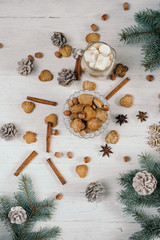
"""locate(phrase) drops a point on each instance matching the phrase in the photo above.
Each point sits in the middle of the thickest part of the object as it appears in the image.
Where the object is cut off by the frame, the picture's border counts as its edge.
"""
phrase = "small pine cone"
(94, 192)
(17, 215)
(58, 39)
(66, 77)
(8, 131)
(144, 183)
(25, 67)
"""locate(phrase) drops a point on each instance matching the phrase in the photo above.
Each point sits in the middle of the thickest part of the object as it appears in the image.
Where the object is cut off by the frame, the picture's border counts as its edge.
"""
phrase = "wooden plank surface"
(26, 27)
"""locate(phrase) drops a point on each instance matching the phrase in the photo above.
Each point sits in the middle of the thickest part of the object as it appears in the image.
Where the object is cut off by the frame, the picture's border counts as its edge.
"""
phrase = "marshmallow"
(104, 49)
(92, 64)
(102, 62)
(91, 55)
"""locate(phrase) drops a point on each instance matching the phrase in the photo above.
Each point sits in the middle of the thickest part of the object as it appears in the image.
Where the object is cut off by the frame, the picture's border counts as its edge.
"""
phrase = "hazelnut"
(28, 107)
(58, 54)
(94, 27)
(70, 102)
(82, 170)
(82, 115)
(1, 45)
(55, 132)
(149, 78)
(126, 158)
(38, 55)
(126, 6)
(30, 137)
(58, 154)
(87, 159)
(31, 58)
(105, 107)
(70, 155)
(94, 106)
(112, 77)
(45, 75)
(67, 113)
(159, 95)
(52, 118)
(82, 133)
(75, 101)
(59, 196)
(104, 17)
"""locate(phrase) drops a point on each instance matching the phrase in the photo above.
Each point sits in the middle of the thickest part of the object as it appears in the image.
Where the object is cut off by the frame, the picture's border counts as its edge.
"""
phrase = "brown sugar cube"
(87, 159)
(126, 158)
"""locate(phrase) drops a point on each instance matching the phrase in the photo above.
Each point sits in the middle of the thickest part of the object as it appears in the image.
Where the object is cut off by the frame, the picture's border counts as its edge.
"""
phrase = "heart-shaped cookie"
(126, 101)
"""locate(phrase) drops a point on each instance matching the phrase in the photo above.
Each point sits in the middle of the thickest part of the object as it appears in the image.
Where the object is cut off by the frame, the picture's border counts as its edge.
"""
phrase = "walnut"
(98, 102)
(112, 137)
(92, 37)
(77, 125)
(101, 114)
(90, 113)
(85, 99)
(126, 101)
(82, 170)
(30, 137)
(66, 50)
(73, 116)
(87, 85)
(52, 118)
(94, 124)
(76, 108)
(28, 107)
(120, 70)
(45, 75)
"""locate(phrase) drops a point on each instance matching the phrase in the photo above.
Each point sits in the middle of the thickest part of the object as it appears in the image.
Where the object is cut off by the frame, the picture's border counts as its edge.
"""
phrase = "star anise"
(121, 119)
(106, 150)
(142, 116)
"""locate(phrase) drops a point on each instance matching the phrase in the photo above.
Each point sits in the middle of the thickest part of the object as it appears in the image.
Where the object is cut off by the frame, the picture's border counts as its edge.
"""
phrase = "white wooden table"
(26, 27)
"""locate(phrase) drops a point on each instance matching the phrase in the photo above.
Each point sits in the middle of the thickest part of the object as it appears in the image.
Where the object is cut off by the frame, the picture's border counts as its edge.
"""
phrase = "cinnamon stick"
(43, 101)
(117, 88)
(48, 137)
(25, 163)
(56, 171)
(77, 69)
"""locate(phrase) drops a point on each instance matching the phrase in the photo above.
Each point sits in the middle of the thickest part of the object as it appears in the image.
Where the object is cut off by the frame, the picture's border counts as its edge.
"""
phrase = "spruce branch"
(36, 211)
(147, 32)
(134, 203)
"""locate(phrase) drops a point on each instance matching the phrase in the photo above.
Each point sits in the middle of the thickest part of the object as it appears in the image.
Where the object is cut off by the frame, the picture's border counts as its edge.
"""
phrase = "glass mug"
(96, 72)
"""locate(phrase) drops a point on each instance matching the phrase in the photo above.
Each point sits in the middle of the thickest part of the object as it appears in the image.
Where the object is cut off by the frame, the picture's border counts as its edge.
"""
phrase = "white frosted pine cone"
(144, 183)
(94, 192)
(17, 215)
(25, 67)
(8, 131)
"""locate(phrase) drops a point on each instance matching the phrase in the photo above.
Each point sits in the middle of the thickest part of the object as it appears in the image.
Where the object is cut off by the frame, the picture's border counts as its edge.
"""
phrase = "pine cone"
(66, 77)
(17, 215)
(94, 192)
(58, 39)
(8, 131)
(144, 183)
(25, 67)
